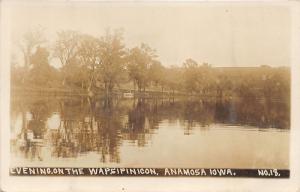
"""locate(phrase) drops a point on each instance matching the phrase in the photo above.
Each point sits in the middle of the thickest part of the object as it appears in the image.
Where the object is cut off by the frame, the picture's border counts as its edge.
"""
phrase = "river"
(180, 132)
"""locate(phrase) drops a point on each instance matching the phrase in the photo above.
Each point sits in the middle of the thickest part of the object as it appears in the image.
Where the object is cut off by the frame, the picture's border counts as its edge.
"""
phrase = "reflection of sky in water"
(147, 134)
(28, 116)
(16, 125)
(53, 122)
(217, 146)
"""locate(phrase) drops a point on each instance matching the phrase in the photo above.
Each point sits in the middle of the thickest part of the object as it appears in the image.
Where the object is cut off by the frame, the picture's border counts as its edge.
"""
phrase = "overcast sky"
(222, 35)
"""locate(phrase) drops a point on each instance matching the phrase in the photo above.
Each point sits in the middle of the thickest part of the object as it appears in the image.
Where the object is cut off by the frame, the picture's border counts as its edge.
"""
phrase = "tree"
(173, 76)
(112, 60)
(89, 56)
(28, 44)
(157, 74)
(191, 75)
(41, 73)
(140, 60)
(76, 74)
(198, 78)
(65, 48)
(17, 72)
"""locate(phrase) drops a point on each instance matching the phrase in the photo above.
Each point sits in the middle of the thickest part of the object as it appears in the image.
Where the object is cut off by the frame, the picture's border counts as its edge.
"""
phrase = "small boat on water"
(128, 95)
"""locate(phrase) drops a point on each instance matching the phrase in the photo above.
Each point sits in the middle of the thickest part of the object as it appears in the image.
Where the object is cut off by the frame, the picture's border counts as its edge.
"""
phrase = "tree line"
(105, 64)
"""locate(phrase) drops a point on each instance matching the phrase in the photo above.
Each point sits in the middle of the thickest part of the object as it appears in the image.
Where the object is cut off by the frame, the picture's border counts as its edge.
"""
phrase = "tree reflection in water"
(96, 125)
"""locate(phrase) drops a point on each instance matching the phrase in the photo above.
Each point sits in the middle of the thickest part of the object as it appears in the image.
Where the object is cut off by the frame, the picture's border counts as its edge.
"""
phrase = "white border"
(150, 184)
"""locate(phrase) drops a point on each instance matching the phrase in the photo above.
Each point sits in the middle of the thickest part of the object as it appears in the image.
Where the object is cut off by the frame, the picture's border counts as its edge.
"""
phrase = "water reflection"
(67, 128)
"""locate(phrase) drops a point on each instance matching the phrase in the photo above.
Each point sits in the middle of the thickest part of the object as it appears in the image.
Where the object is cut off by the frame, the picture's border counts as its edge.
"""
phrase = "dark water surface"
(81, 132)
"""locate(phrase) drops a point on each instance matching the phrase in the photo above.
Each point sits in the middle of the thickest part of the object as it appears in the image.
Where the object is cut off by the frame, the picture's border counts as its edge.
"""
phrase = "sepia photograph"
(160, 89)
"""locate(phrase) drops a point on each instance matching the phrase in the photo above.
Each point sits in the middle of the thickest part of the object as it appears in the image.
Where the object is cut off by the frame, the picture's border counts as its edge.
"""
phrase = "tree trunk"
(24, 125)
(139, 87)
(64, 81)
(106, 88)
(111, 87)
(173, 93)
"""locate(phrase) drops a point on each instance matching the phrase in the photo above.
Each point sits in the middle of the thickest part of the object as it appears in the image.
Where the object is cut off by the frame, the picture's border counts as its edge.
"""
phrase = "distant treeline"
(105, 65)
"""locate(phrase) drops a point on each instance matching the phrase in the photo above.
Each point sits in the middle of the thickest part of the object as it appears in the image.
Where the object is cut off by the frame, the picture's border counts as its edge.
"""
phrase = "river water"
(181, 132)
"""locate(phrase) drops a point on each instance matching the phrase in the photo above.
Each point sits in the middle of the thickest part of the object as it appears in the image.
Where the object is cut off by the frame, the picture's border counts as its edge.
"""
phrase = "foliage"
(41, 73)
(141, 61)
(112, 60)
(105, 64)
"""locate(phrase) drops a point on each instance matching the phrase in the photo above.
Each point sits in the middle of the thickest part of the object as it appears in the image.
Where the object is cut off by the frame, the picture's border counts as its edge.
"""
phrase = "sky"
(222, 35)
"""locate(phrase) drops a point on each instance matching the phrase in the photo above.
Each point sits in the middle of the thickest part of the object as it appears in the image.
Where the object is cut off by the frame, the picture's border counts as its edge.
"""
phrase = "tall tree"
(112, 60)
(65, 48)
(41, 73)
(198, 78)
(139, 63)
(173, 76)
(89, 56)
(28, 44)
(76, 74)
(191, 75)
(157, 74)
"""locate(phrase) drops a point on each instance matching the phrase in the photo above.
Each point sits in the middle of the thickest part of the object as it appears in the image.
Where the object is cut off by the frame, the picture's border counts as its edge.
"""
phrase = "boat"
(128, 95)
